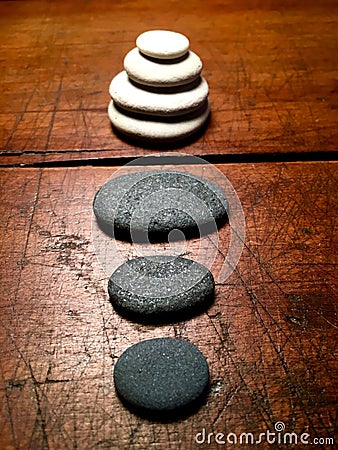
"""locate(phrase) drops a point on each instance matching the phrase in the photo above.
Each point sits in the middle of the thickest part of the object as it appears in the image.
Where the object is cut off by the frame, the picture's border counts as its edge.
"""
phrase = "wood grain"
(271, 68)
(270, 336)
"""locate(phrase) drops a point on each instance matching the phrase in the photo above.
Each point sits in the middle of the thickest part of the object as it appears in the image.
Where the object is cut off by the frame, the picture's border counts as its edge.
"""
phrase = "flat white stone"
(130, 97)
(163, 44)
(142, 127)
(157, 73)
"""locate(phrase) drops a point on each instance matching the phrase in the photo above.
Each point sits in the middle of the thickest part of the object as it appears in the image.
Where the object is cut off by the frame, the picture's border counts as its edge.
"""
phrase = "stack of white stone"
(160, 96)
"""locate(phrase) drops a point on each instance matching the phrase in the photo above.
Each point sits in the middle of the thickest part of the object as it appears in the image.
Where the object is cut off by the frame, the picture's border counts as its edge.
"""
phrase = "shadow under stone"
(175, 234)
(160, 145)
(167, 317)
(171, 415)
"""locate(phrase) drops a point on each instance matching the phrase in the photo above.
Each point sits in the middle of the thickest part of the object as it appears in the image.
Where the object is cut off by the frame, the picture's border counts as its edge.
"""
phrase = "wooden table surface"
(270, 335)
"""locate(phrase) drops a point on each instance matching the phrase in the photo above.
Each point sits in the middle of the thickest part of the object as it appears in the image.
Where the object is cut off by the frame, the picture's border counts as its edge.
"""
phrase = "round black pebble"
(161, 288)
(157, 202)
(162, 375)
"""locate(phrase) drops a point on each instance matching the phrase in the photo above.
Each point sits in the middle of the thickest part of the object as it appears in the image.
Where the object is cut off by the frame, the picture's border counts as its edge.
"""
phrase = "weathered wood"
(269, 337)
(271, 68)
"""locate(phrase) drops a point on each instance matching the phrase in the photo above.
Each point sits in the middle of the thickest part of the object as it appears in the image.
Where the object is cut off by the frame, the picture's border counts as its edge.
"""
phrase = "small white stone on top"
(163, 44)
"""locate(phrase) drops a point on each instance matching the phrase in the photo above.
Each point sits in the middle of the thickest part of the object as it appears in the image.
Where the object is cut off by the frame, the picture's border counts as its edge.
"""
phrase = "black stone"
(164, 375)
(153, 203)
(161, 288)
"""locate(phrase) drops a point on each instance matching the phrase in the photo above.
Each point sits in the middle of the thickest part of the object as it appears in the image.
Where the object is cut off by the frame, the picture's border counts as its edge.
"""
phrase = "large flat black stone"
(153, 203)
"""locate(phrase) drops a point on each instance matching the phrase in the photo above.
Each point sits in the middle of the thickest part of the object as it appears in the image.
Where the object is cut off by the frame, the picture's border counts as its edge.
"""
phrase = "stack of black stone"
(164, 376)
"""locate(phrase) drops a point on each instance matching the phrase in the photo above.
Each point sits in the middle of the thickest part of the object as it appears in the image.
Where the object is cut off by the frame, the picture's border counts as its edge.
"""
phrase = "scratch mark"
(9, 413)
(20, 117)
(279, 352)
(51, 123)
(24, 251)
(39, 415)
(244, 383)
(326, 320)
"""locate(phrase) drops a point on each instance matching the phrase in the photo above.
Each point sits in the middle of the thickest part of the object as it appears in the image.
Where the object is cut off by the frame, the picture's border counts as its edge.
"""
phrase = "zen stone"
(152, 128)
(161, 375)
(157, 202)
(162, 44)
(160, 96)
(157, 73)
(128, 96)
(160, 288)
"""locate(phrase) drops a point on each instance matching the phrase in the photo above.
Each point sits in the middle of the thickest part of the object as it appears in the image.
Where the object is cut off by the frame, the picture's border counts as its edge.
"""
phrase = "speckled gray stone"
(156, 202)
(164, 374)
(160, 288)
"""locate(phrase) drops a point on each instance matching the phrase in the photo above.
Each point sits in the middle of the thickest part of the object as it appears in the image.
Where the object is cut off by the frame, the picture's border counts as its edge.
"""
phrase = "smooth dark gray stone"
(156, 202)
(161, 288)
(162, 375)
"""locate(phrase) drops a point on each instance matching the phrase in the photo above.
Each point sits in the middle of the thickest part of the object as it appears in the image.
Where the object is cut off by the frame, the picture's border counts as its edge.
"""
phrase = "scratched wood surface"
(271, 67)
(270, 336)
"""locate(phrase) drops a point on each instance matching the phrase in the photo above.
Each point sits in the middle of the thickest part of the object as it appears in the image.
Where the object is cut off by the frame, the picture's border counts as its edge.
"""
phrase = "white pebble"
(151, 73)
(163, 44)
(147, 128)
(130, 97)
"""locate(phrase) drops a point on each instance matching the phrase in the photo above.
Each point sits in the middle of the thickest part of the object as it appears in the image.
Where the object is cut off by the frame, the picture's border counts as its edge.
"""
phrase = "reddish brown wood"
(271, 67)
(270, 337)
